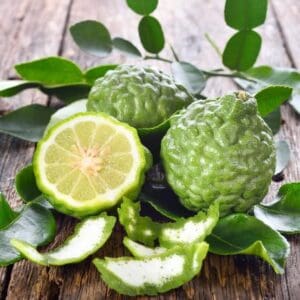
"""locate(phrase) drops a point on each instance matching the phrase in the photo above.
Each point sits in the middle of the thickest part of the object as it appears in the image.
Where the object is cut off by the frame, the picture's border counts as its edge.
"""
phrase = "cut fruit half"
(88, 162)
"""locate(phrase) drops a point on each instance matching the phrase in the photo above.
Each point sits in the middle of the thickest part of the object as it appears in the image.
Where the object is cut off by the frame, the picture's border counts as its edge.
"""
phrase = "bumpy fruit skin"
(140, 96)
(219, 150)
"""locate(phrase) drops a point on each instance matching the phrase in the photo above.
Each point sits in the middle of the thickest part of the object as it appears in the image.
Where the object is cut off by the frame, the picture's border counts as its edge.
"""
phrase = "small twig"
(213, 44)
(213, 73)
(158, 58)
(218, 70)
(174, 53)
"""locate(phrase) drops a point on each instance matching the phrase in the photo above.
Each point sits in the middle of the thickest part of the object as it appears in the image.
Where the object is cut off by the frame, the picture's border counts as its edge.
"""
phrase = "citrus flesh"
(87, 162)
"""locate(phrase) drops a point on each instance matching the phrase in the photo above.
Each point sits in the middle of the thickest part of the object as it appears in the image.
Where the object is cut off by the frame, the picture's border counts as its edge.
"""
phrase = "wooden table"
(30, 29)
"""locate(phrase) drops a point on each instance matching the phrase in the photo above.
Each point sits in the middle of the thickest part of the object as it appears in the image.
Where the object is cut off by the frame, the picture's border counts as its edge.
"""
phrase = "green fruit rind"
(219, 150)
(182, 232)
(141, 251)
(149, 159)
(34, 224)
(138, 228)
(97, 205)
(190, 230)
(152, 275)
(140, 96)
(88, 237)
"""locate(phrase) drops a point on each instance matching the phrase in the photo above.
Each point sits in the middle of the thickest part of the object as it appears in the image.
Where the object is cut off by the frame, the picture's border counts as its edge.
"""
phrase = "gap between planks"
(282, 35)
(7, 273)
(212, 262)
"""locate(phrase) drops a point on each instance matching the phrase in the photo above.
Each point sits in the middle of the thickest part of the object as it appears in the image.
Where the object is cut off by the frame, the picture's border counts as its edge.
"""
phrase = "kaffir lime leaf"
(140, 96)
(88, 162)
(219, 150)
(67, 111)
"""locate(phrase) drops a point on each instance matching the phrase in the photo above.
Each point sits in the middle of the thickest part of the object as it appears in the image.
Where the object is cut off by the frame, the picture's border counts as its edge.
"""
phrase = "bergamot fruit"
(140, 96)
(88, 162)
(219, 150)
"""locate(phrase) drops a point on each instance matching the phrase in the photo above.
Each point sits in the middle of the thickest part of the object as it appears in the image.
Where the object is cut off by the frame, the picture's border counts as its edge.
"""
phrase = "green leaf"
(275, 76)
(295, 101)
(242, 50)
(92, 37)
(126, 46)
(282, 156)
(94, 73)
(151, 34)
(27, 123)
(189, 76)
(69, 93)
(26, 184)
(7, 215)
(51, 71)
(270, 98)
(34, 224)
(284, 213)
(164, 200)
(251, 86)
(142, 7)
(243, 234)
(274, 120)
(43, 201)
(245, 14)
(267, 75)
(66, 112)
(9, 88)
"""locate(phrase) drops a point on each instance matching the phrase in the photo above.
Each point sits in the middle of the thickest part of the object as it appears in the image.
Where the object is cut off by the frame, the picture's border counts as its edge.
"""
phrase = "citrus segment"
(87, 162)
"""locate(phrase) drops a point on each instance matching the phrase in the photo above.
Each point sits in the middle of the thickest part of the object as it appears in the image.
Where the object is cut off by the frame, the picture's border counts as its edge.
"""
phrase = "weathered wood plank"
(287, 13)
(222, 277)
(28, 30)
(280, 57)
(4, 277)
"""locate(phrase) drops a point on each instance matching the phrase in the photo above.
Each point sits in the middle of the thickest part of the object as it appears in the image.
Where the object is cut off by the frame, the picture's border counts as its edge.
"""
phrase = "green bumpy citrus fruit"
(219, 150)
(140, 96)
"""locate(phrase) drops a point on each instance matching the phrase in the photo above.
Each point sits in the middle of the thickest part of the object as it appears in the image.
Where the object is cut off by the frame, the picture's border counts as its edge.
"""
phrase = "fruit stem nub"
(242, 95)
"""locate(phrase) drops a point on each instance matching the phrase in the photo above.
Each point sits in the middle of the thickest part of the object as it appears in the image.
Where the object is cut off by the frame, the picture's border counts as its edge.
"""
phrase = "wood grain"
(287, 13)
(239, 277)
(28, 30)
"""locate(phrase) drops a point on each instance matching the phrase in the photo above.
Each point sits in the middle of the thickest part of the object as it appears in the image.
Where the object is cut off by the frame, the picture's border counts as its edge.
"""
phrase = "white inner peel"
(155, 271)
(142, 251)
(190, 232)
(83, 241)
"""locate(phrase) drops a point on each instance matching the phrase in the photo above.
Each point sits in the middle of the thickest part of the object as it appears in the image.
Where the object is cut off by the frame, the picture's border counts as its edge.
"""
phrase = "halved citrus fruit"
(88, 162)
